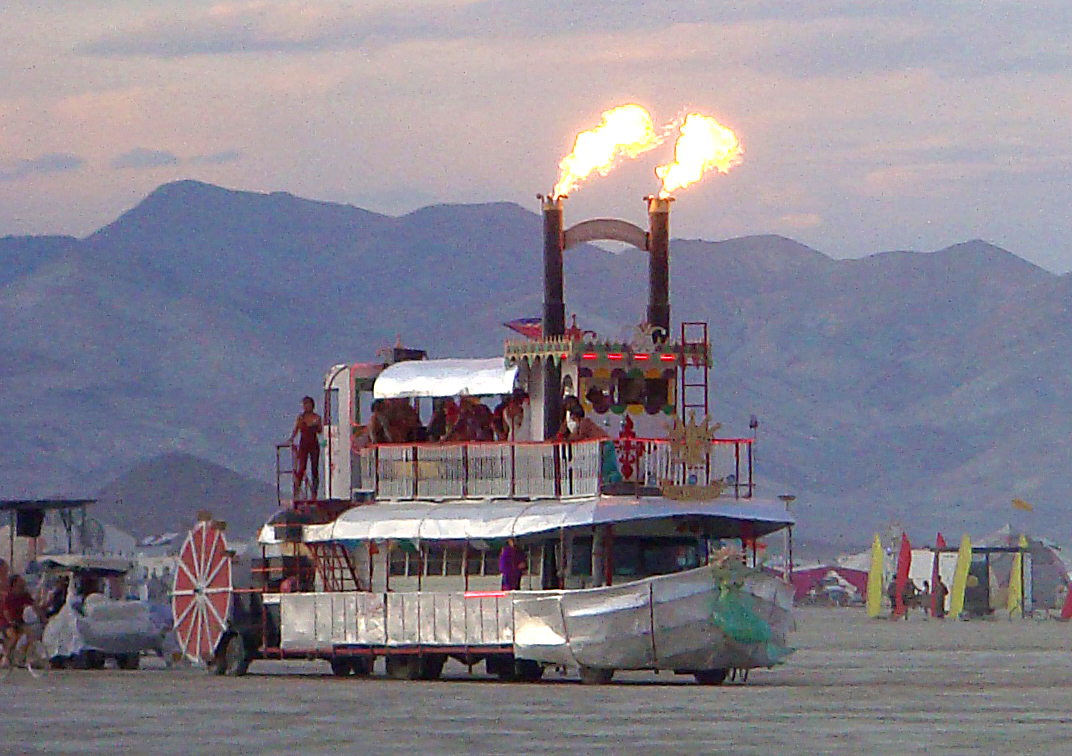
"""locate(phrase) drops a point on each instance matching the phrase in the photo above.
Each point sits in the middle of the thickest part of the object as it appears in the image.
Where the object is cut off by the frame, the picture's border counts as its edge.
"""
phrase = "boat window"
(454, 556)
(581, 557)
(396, 562)
(535, 559)
(491, 562)
(474, 561)
(643, 557)
(434, 560)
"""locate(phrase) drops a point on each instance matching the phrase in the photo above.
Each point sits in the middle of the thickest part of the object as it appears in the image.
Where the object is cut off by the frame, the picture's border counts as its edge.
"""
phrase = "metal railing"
(547, 470)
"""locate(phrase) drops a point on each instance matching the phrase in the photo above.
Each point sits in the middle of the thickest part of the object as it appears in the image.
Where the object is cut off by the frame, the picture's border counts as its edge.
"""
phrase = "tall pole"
(787, 546)
(554, 311)
(659, 262)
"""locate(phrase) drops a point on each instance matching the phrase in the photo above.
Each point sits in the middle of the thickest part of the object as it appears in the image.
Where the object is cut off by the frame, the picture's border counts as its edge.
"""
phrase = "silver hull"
(708, 618)
(670, 622)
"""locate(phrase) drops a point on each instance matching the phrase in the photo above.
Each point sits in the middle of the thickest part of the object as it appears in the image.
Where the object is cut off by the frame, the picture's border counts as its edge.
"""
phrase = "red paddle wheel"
(202, 595)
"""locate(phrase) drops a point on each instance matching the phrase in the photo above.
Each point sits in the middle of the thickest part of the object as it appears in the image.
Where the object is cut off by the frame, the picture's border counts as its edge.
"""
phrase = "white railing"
(544, 470)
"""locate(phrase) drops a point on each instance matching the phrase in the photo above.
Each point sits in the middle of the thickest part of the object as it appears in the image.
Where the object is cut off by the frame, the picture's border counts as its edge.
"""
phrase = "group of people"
(913, 597)
(396, 421)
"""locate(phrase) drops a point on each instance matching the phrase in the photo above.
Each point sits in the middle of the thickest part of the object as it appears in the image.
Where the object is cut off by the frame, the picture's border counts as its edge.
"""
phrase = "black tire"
(232, 659)
(502, 667)
(128, 661)
(59, 662)
(404, 667)
(362, 665)
(527, 670)
(432, 666)
(87, 660)
(341, 666)
(711, 676)
(596, 675)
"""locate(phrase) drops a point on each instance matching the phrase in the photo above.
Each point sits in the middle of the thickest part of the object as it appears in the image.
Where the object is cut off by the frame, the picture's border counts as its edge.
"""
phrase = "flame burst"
(704, 144)
(625, 131)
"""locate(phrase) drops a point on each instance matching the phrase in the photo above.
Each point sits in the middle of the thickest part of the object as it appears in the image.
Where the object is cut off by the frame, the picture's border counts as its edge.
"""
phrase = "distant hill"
(166, 493)
(926, 388)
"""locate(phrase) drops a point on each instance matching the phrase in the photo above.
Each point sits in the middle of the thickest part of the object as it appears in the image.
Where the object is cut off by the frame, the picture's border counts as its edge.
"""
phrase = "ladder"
(694, 369)
(335, 565)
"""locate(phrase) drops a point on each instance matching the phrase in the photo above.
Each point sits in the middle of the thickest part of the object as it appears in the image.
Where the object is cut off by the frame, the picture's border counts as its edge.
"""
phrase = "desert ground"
(854, 686)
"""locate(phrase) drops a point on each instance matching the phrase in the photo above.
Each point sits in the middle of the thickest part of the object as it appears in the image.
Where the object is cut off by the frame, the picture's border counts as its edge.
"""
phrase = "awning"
(731, 518)
(419, 378)
(86, 563)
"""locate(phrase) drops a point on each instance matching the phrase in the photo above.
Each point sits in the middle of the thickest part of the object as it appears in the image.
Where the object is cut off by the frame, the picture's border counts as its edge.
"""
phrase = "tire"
(87, 660)
(403, 667)
(341, 666)
(502, 667)
(527, 670)
(362, 665)
(129, 662)
(233, 659)
(711, 676)
(431, 666)
(596, 675)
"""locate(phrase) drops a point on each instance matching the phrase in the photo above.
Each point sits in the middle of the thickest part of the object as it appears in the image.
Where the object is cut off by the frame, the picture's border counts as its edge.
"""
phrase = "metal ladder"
(335, 566)
(694, 369)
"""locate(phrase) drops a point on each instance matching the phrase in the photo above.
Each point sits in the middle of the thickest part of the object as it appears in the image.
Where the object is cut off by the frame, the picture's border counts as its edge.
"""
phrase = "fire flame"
(704, 144)
(625, 131)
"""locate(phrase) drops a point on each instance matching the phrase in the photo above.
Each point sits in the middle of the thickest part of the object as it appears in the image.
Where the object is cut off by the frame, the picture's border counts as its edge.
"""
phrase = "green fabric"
(734, 615)
(609, 463)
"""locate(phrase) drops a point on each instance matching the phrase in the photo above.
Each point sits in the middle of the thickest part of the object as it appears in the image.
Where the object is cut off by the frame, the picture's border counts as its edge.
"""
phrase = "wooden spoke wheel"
(202, 595)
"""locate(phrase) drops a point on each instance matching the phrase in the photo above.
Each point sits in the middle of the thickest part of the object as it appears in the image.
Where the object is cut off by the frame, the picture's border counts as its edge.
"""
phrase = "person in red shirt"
(11, 612)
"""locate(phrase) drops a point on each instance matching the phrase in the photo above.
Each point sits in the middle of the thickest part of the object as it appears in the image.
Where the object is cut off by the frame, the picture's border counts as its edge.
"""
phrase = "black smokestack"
(554, 311)
(659, 262)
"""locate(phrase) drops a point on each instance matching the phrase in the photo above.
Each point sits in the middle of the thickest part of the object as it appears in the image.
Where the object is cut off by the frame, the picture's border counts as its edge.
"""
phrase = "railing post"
(749, 469)
(416, 471)
(465, 478)
(513, 469)
(737, 469)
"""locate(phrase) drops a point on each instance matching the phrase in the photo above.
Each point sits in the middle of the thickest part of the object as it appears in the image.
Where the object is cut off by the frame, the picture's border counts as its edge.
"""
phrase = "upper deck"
(552, 470)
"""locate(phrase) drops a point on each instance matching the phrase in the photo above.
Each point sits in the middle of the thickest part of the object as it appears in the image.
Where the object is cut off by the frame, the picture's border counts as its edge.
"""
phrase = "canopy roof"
(430, 378)
(500, 519)
(22, 505)
(86, 563)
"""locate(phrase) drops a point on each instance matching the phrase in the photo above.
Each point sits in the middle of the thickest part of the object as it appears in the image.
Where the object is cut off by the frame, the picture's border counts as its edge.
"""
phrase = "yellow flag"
(874, 578)
(1016, 584)
(960, 577)
(1022, 505)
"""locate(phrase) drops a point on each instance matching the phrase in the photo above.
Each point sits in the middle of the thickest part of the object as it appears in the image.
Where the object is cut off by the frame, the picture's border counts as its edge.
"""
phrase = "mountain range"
(927, 389)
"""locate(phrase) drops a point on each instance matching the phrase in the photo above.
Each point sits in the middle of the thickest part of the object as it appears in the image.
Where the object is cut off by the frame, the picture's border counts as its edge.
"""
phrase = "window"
(581, 557)
(435, 558)
(396, 562)
(454, 556)
(491, 562)
(474, 561)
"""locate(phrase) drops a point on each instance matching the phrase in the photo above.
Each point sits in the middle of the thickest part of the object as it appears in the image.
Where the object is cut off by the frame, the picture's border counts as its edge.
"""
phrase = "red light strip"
(640, 357)
(589, 355)
(667, 357)
(614, 355)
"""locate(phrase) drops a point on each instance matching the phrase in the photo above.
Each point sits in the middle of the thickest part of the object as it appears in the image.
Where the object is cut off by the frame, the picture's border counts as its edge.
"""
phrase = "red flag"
(530, 328)
(904, 562)
(936, 576)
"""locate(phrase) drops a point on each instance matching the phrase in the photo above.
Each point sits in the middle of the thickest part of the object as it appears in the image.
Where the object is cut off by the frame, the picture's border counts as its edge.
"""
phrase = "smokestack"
(659, 262)
(554, 311)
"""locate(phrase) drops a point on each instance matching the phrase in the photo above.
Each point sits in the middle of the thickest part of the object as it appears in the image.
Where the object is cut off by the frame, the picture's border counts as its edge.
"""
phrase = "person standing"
(512, 564)
(307, 429)
(939, 599)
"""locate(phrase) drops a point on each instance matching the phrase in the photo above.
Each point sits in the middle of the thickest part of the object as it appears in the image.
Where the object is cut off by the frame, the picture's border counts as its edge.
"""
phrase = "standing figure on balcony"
(578, 427)
(307, 456)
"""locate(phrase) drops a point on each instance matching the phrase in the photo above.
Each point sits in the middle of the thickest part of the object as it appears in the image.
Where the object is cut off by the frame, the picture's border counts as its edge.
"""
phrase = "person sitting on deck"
(578, 427)
(443, 419)
(307, 456)
(510, 415)
(475, 422)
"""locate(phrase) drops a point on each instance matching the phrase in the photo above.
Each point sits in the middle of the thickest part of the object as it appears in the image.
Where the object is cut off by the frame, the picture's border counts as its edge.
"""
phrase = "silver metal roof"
(430, 378)
(497, 519)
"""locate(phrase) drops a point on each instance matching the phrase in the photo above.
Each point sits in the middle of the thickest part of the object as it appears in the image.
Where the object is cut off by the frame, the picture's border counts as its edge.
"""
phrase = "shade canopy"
(432, 378)
(500, 519)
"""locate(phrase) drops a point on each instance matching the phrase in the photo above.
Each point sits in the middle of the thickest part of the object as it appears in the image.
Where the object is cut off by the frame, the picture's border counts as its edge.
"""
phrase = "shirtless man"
(309, 426)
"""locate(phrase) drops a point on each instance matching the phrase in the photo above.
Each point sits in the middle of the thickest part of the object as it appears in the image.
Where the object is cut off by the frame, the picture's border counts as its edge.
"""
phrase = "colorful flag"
(1015, 601)
(936, 578)
(530, 328)
(874, 578)
(1022, 505)
(904, 563)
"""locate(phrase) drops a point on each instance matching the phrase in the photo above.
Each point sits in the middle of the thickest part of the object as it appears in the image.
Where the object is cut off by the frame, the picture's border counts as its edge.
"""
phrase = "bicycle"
(28, 652)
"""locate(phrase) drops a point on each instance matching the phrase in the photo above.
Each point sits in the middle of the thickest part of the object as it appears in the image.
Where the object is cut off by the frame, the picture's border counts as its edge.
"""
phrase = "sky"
(866, 126)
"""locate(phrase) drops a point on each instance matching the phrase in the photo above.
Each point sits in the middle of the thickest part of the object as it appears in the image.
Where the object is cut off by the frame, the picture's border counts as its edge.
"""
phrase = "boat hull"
(707, 618)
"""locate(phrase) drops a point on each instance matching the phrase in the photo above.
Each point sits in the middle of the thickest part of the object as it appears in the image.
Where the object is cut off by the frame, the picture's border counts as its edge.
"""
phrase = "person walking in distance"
(307, 429)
